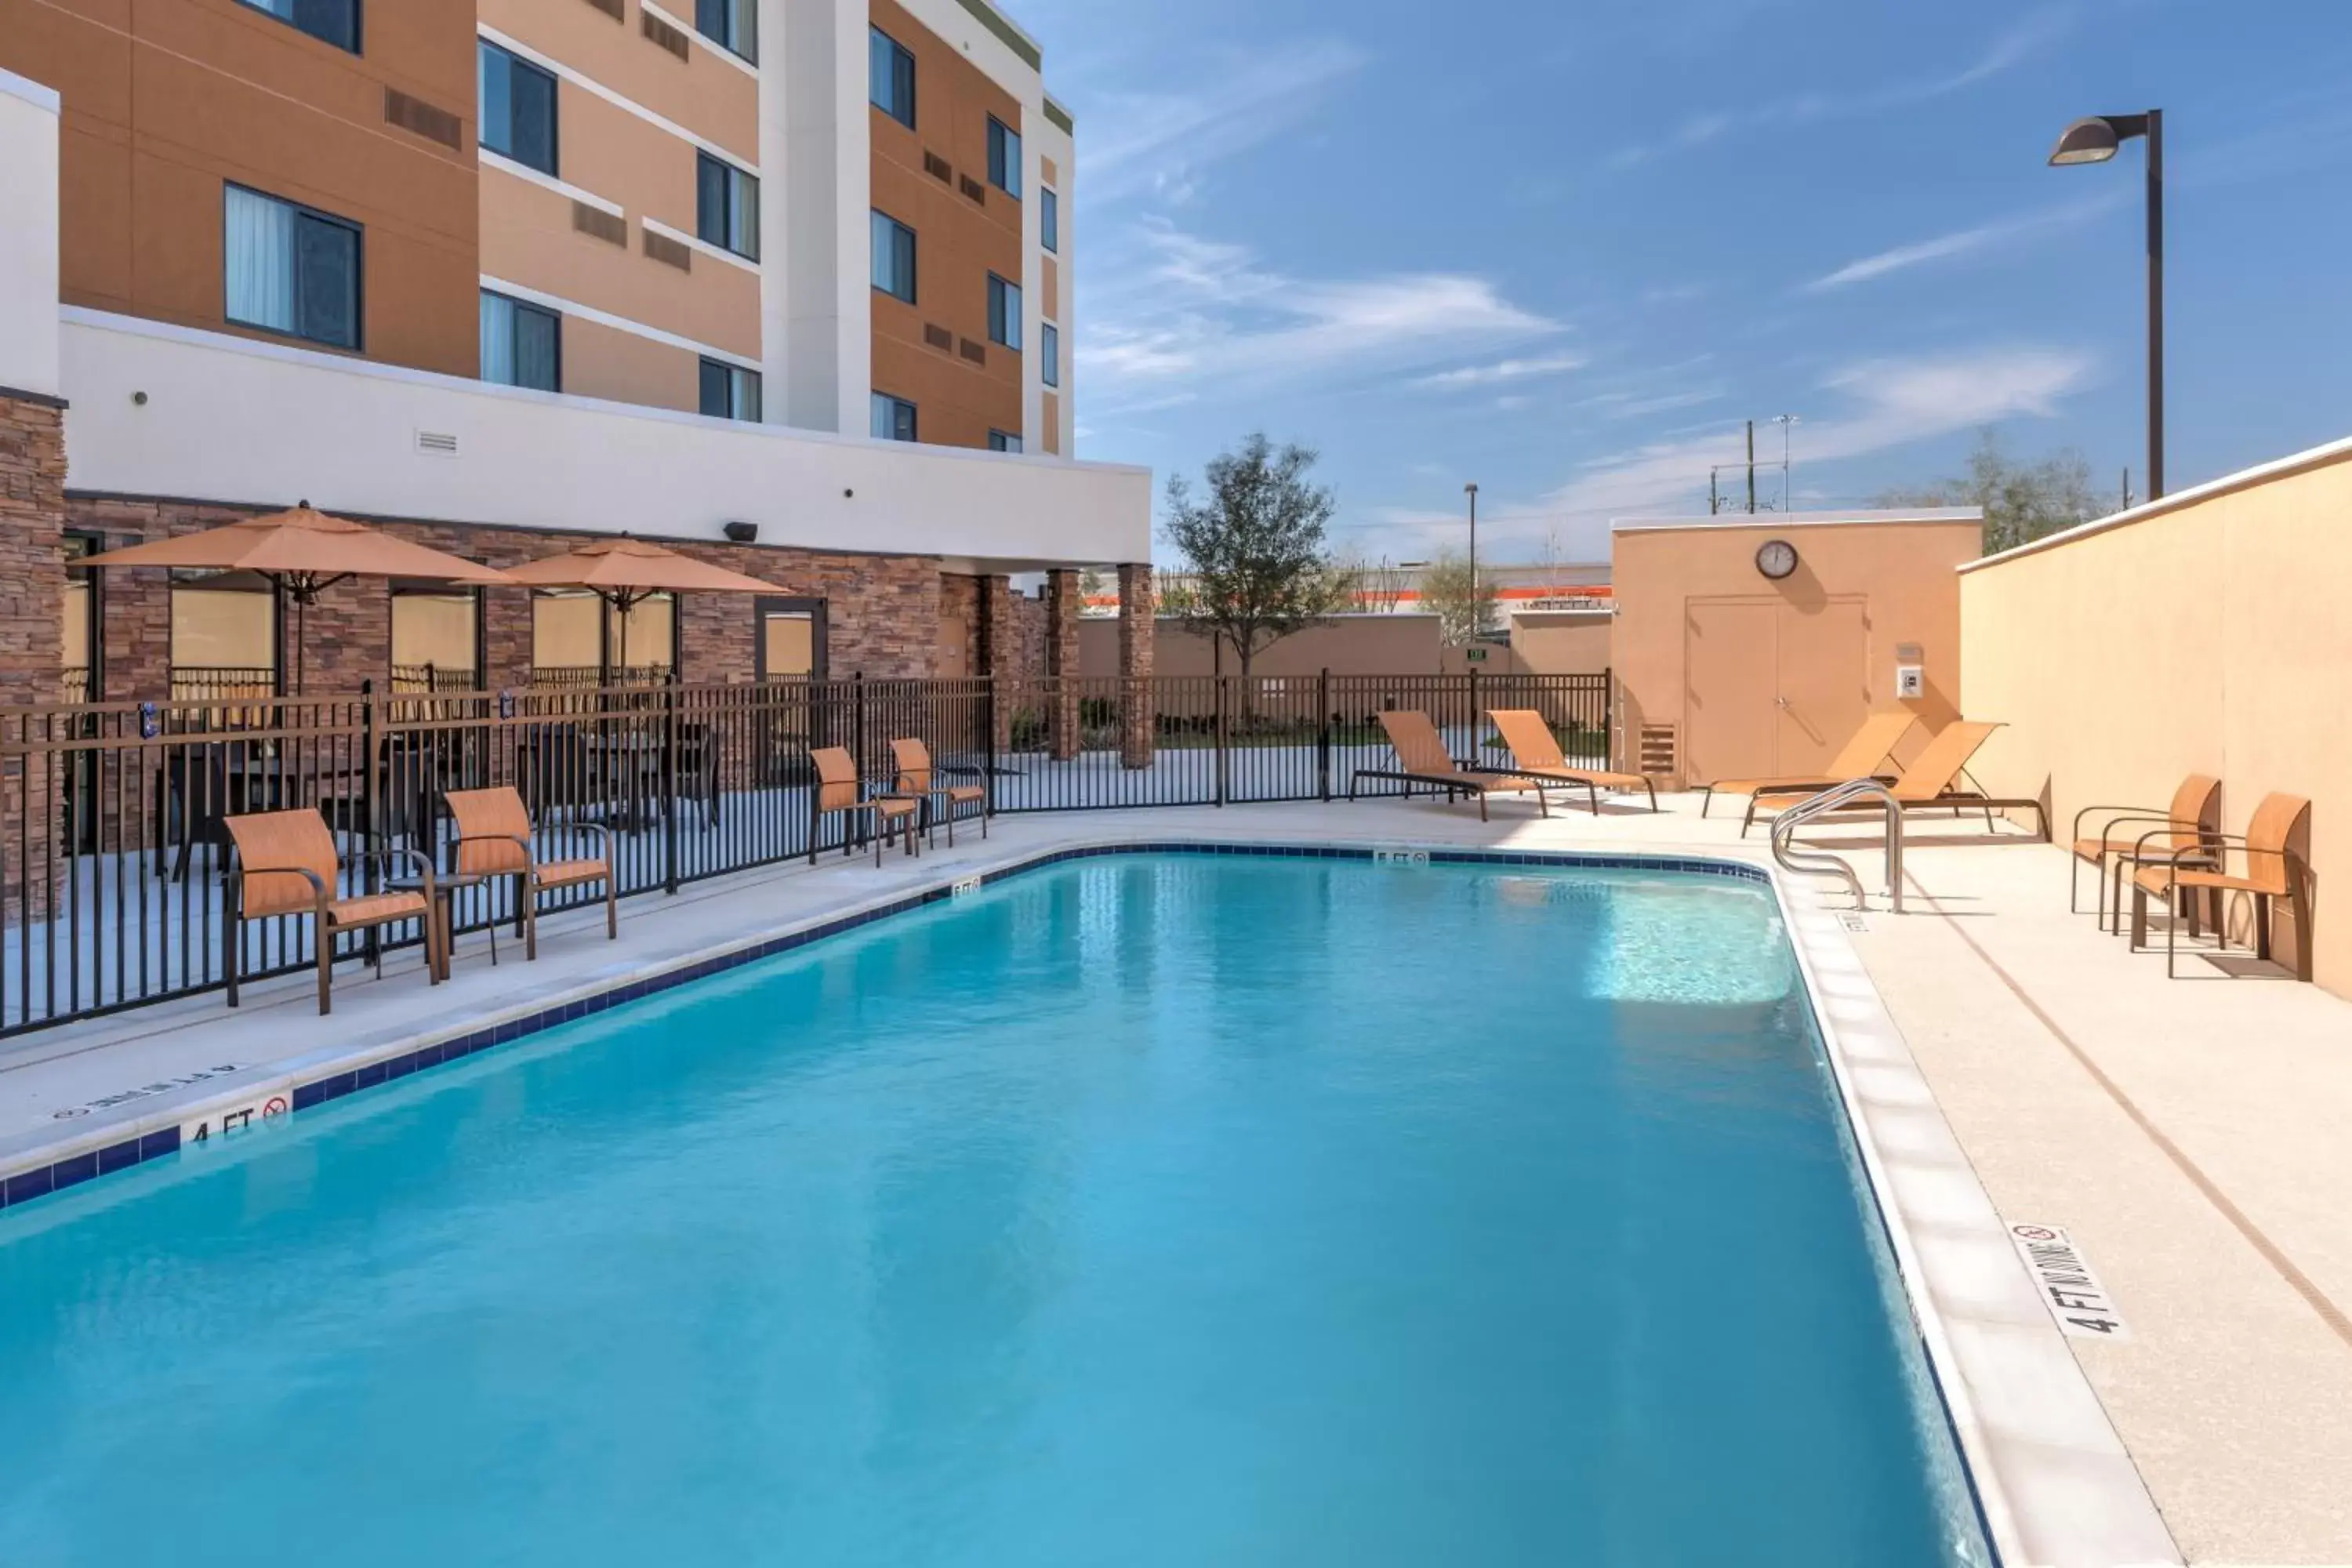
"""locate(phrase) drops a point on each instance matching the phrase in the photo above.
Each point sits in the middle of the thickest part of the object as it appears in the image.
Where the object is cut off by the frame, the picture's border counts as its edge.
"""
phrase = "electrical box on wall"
(1910, 672)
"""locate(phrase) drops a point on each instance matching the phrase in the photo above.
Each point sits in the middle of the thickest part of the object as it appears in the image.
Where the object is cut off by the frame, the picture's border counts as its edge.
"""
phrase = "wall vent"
(974, 352)
(1658, 748)
(975, 190)
(610, 227)
(437, 443)
(938, 168)
(663, 248)
(415, 114)
(612, 8)
(662, 33)
(938, 338)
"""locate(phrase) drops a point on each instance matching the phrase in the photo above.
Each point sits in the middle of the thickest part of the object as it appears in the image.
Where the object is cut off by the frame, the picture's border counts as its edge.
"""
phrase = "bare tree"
(2023, 501)
(1445, 588)
(1260, 571)
(1380, 585)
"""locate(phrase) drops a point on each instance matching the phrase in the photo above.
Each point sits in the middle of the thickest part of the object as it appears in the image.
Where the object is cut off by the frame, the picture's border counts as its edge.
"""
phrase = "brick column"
(1000, 651)
(1062, 661)
(32, 639)
(1137, 607)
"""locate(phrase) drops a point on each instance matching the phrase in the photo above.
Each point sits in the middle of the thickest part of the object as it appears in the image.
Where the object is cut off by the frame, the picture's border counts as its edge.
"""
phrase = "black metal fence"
(113, 847)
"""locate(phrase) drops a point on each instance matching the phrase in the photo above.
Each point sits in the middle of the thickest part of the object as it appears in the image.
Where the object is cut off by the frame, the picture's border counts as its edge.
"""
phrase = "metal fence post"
(988, 748)
(669, 784)
(1219, 736)
(1323, 733)
(1476, 751)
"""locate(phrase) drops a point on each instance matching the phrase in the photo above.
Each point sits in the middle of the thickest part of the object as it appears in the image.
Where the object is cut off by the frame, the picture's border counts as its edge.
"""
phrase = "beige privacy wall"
(2210, 633)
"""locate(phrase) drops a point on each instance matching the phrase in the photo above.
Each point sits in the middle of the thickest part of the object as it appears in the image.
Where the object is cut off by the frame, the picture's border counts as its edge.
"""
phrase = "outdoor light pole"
(1477, 610)
(2096, 140)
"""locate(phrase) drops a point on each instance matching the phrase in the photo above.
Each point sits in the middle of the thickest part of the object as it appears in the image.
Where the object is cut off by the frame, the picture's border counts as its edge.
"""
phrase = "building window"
(1003, 312)
(1000, 441)
(890, 77)
(518, 108)
(290, 269)
(522, 344)
(1049, 218)
(727, 207)
(894, 258)
(335, 22)
(1003, 157)
(1049, 346)
(893, 418)
(732, 24)
(729, 392)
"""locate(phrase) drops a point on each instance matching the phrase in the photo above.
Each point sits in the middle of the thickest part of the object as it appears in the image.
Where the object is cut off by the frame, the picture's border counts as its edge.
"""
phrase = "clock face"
(1777, 559)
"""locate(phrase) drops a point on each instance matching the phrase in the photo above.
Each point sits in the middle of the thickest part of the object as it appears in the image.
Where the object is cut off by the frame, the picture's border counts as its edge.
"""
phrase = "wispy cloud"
(1966, 242)
(1503, 371)
(1191, 311)
(1157, 142)
(2009, 50)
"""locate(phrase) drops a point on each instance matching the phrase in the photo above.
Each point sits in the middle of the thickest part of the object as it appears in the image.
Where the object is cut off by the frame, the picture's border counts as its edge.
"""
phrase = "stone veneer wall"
(32, 639)
(882, 611)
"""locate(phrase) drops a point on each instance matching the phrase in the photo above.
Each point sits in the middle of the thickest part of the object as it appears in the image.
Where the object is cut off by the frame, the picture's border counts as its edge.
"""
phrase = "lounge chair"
(840, 791)
(918, 778)
(2182, 822)
(494, 839)
(2272, 870)
(286, 863)
(1422, 759)
(1863, 756)
(1535, 753)
(1932, 781)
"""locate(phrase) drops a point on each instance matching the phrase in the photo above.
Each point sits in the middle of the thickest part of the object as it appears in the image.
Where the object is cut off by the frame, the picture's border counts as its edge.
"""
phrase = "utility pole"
(1786, 421)
(1477, 606)
(1751, 468)
(2127, 499)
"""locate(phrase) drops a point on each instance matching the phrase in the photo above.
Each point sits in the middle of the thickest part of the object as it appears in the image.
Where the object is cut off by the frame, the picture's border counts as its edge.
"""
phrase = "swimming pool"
(1142, 1209)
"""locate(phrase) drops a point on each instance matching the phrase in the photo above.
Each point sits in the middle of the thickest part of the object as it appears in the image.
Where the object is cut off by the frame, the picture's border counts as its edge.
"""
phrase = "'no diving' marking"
(2069, 1288)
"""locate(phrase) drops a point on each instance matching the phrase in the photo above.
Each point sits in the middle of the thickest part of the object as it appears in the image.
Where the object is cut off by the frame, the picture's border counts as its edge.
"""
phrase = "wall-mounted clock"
(1777, 559)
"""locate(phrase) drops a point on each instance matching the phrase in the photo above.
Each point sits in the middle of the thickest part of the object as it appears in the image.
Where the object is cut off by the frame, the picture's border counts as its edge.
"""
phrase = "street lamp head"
(2096, 139)
(1470, 488)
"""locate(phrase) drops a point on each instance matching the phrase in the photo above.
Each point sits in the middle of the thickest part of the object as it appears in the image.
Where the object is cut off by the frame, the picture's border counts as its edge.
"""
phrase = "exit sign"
(1474, 655)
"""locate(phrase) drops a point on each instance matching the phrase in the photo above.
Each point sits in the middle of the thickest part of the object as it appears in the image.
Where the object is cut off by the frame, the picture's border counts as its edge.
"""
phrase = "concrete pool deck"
(2187, 1134)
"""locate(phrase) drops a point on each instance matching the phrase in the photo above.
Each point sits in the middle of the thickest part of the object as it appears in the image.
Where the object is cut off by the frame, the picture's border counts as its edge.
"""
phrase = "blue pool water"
(1143, 1210)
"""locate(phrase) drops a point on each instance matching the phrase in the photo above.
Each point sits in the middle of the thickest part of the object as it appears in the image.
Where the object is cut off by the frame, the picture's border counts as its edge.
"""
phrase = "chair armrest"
(238, 872)
(415, 858)
(2208, 840)
(2147, 812)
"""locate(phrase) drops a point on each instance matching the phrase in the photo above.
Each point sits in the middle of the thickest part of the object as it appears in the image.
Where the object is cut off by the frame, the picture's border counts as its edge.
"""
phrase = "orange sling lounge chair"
(920, 779)
(494, 840)
(838, 789)
(2274, 870)
(2182, 825)
(1932, 782)
(1862, 757)
(285, 863)
(1422, 759)
(1536, 752)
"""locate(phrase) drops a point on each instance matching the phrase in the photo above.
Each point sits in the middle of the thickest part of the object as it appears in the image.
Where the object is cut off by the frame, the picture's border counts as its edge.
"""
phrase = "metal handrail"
(1821, 863)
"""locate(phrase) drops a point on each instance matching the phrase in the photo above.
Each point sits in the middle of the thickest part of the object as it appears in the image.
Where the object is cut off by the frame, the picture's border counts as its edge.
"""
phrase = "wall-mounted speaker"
(742, 533)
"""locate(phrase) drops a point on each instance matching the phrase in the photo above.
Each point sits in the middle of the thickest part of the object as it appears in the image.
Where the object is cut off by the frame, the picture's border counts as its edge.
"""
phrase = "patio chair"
(493, 833)
(918, 778)
(285, 863)
(1534, 751)
(2183, 823)
(840, 792)
(1422, 759)
(2200, 873)
(1933, 782)
(1863, 756)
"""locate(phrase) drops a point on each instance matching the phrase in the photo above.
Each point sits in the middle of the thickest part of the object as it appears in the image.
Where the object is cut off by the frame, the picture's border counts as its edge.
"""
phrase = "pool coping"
(2050, 1477)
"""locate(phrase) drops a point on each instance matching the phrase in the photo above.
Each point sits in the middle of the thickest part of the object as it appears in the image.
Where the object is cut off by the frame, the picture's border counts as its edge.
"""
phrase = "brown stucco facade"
(167, 101)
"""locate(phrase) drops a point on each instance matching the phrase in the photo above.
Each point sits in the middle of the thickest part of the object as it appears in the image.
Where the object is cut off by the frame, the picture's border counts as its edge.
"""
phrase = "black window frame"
(357, 230)
(733, 184)
(898, 405)
(733, 374)
(1049, 219)
(913, 272)
(555, 317)
(1004, 325)
(1049, 355)
(902, 68)
(359, 24)
(997, 440)
(1001, 168)
(738, 9)
(513, 61)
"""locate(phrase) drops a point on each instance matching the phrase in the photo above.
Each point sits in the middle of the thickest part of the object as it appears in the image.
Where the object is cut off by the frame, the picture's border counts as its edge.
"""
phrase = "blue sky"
(1564, 248)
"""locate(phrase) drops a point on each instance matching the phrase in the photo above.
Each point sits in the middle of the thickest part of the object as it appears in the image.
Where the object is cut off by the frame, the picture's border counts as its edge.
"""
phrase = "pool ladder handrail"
(1820, 862)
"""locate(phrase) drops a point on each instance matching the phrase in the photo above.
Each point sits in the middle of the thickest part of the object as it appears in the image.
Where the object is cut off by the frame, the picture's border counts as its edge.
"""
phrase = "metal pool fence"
(113, 852)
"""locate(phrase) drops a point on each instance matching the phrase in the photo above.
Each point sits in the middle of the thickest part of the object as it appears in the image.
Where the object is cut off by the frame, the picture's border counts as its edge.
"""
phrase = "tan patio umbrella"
(625, 572)
(301, 552)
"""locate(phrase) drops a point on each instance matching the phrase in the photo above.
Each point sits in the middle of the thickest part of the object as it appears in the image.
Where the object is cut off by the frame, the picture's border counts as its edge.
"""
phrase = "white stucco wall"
(28, 235)
(228, 419)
